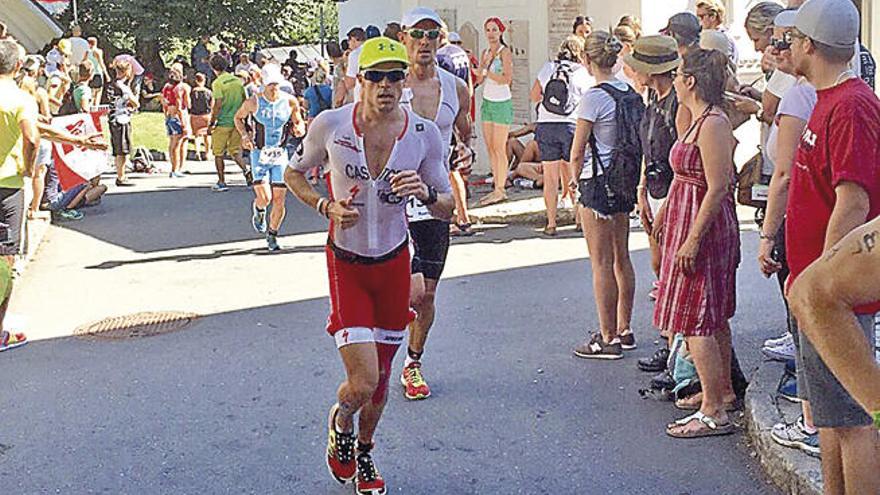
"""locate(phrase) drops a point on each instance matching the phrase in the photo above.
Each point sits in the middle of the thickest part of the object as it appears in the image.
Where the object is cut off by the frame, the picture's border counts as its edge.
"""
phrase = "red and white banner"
(74, 164)
(54, 7)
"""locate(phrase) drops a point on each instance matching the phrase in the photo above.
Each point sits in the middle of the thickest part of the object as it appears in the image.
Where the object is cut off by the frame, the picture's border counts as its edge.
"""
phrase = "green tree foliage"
(153, 26)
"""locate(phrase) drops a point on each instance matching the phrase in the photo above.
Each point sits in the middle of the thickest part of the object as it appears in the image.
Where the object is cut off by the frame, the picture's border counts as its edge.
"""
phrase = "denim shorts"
(66, 197)
(173, 126)
(832, 405)
(554, 140)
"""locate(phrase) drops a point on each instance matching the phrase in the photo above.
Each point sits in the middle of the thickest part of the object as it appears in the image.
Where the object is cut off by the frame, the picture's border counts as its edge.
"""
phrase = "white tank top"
(334, 140)
(445, 121)
(494, 91)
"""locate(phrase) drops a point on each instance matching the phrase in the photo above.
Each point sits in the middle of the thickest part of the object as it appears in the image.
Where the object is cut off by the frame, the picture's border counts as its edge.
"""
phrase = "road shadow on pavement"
(237, 404)
(176, 218)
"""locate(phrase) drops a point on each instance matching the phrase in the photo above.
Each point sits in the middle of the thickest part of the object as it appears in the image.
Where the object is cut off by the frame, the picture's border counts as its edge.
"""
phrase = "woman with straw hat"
(653, 60)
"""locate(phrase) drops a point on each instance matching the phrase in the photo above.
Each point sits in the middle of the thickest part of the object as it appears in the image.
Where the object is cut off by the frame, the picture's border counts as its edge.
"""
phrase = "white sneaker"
(782, 352)
(778, 341)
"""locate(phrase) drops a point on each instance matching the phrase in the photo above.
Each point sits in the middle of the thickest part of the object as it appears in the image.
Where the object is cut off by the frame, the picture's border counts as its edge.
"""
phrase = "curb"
(523, 209)
(791, 470)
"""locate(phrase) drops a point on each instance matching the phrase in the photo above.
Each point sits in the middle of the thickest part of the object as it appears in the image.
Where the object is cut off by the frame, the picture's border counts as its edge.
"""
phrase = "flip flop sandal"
(710, 427)
(736, 405)
(11, 341)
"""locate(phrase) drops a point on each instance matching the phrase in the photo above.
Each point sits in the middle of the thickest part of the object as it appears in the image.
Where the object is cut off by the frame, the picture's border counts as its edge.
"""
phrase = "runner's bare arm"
(311, 153)
(430, 184)
(823, 297)
(464, 129)
(247, 108)
(463, 125)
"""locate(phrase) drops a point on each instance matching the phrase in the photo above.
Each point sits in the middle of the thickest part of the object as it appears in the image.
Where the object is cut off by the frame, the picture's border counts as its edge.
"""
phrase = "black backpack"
(557, 97)
(201, 102)
(659, 132)
(623, 177)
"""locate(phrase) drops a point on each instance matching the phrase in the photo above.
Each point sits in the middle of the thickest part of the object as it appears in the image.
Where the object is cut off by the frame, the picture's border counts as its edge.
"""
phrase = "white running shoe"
(783, 352)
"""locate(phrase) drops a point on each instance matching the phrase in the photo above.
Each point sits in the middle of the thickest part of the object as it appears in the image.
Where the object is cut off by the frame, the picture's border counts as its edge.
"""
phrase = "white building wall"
(365, 12)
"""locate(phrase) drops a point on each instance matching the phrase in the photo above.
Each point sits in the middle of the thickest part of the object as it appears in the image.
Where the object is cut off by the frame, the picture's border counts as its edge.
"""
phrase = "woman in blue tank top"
(266, 122)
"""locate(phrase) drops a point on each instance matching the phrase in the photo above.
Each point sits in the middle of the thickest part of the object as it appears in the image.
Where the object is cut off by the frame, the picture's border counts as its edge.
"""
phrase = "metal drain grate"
(145, 324)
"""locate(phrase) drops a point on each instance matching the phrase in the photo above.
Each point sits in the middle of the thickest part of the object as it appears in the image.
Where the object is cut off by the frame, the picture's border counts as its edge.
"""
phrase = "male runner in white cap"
(437, 95)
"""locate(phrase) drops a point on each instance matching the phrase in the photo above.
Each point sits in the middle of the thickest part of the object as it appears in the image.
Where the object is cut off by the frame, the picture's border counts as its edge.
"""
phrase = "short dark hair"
(10, 56)
(580, 21)
(345, 45)
(392, 30)
(293, 54)
(219, 63)
(833, 54)
(334, 50)
(200, 78)
(357, 33)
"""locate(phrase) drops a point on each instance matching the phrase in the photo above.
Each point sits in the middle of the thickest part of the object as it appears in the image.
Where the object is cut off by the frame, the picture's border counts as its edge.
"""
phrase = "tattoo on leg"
(867, 243)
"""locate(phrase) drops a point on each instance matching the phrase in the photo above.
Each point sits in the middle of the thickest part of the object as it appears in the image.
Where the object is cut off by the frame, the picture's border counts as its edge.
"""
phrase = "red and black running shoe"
(369, 481)
(340, 451)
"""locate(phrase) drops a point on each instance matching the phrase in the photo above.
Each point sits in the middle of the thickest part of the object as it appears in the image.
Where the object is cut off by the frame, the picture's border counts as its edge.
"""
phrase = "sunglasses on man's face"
(418, 34)
(376, 76)
(783, 43)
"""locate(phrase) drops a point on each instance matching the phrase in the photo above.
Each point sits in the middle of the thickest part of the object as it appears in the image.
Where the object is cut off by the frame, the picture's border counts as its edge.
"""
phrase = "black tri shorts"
(431, 243)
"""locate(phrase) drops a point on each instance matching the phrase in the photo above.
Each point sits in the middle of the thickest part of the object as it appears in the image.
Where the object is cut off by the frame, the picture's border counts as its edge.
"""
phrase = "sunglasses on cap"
(377, 76)
(418, 34)
(783, 43)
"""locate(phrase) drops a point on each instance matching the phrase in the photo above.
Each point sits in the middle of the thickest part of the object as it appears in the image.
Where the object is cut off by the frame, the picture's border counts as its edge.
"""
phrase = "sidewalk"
(790, 469)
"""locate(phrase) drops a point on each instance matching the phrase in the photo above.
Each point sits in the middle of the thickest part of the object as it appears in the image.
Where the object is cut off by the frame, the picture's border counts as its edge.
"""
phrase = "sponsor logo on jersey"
(347, 142)
(356, 172)
(387, 174)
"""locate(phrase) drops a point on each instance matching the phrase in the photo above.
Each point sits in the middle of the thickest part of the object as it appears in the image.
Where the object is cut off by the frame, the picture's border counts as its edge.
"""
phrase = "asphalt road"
(237, 402)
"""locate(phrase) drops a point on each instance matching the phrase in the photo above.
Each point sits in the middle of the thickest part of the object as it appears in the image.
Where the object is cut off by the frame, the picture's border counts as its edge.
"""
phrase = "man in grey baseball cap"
(835, 187)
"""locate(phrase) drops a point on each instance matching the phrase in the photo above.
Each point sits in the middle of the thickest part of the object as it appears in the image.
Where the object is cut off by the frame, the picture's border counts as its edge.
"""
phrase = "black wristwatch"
(432, 196)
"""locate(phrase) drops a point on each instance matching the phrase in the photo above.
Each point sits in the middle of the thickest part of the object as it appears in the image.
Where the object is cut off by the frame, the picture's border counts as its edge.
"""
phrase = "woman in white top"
(558, 88)
(606, 226)
(496, 74)
(783, 139)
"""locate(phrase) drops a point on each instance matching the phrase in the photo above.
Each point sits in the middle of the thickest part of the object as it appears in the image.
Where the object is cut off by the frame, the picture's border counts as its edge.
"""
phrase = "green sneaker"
(70, 215)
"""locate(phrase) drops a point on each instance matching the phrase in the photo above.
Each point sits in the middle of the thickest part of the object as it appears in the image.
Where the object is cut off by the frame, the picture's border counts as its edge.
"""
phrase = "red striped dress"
(701, 303)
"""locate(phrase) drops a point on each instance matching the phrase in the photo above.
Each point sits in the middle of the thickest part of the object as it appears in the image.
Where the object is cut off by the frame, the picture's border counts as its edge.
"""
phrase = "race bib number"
(416, 211)
(273, 156)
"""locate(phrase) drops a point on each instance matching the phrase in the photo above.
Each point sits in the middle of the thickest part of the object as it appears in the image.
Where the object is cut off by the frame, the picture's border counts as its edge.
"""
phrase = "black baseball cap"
(684, 27)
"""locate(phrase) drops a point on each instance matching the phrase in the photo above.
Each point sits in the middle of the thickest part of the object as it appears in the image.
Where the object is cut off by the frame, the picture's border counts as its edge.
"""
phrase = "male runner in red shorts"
(378, 153)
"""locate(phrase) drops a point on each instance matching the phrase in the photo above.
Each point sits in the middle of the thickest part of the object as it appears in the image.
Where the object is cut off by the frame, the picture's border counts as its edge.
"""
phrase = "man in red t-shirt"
(835, 188)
